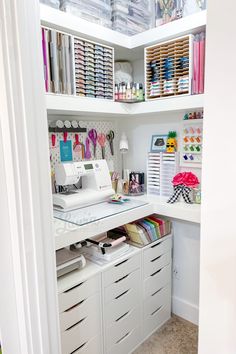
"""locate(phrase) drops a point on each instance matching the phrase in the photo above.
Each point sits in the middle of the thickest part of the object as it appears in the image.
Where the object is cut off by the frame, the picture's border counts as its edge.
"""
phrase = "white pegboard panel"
(101, 127)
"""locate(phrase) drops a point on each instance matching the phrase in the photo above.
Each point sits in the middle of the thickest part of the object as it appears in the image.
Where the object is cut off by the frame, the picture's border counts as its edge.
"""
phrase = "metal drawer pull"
(152, 275)
(74, 351)
(125, 292)
(76, 324)
(154, 259)
(125, 314)
(78, 304)
(122, 338)
(157, 244)
(117, 281)
(74, 287)
(153, 313)
(157, 292)
(118, 264)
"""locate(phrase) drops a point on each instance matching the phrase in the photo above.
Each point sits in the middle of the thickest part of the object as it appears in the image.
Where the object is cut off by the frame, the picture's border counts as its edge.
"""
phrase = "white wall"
(218, 240)
(186, 235)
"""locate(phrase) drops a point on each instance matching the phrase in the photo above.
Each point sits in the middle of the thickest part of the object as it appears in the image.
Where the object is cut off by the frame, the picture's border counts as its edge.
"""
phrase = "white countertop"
(67, 233)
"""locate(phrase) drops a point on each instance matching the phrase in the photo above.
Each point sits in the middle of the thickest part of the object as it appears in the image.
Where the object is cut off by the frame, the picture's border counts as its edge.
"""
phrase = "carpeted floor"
(177, 336)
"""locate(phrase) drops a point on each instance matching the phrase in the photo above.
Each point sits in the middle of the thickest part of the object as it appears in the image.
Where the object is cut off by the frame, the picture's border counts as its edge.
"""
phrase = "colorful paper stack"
(147, 230)
(198, 63)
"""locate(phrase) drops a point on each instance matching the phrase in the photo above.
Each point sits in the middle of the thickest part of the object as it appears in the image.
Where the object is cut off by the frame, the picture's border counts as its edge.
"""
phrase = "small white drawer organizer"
(112, 309)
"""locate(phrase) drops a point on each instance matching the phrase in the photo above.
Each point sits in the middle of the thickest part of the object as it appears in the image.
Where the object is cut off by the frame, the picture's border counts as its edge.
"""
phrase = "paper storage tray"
(139, 235)
(168, 68)
(52, 3)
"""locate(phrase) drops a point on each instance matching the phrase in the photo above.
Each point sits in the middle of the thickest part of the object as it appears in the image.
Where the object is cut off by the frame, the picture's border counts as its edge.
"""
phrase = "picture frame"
(158, 143)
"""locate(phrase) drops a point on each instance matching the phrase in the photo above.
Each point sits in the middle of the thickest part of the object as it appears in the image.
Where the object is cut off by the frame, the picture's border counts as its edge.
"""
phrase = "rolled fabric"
(179, 190)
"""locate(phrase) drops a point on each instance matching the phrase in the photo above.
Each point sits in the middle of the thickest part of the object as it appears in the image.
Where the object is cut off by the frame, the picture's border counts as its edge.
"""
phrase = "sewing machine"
(95, 186)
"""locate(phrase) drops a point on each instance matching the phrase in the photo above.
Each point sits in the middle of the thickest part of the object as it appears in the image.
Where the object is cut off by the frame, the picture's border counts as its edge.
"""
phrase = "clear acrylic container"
(53, 3)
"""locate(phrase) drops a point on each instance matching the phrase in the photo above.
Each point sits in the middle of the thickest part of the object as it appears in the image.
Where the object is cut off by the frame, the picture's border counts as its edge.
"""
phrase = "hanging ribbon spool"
(179, 190)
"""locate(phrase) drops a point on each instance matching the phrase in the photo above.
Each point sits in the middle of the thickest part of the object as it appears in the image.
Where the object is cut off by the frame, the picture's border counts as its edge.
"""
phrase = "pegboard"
(101, 127)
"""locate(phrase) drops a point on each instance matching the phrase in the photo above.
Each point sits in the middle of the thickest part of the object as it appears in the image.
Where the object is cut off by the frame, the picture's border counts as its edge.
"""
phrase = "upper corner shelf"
(72, 105)
(66, 22)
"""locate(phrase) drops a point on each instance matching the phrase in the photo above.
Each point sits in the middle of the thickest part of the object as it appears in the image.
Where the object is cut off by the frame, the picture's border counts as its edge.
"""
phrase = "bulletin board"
(100, 127)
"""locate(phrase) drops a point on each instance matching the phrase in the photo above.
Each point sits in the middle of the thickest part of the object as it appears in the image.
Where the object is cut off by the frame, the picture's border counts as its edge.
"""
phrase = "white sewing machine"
(96, 184)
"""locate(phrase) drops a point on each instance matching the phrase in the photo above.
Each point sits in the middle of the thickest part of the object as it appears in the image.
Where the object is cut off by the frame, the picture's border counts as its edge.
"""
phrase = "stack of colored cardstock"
(147, 230)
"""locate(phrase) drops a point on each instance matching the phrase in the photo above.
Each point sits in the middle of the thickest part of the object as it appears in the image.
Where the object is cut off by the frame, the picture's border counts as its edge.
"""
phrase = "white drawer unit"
(112, 308)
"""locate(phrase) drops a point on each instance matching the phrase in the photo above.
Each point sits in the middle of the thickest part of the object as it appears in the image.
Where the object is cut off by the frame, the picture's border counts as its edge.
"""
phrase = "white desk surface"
(67, 233)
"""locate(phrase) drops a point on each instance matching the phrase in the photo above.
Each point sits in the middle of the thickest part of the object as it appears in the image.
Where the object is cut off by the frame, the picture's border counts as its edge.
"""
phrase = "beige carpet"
(177, 336)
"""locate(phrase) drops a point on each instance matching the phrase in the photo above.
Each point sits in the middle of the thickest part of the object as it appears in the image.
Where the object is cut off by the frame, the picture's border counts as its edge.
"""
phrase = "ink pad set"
(93, 69)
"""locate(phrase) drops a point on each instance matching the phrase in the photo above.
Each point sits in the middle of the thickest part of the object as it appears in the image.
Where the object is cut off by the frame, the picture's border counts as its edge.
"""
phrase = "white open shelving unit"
(125, 46)
(130, 48)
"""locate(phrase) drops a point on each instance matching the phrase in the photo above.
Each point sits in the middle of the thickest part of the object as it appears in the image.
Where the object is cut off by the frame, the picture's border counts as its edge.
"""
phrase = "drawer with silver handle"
(74, 337)
(123, 325)
(157, 300)
(118, 307)
(157, 249)
(122, 286)
(127, 342)
(121, 269)
(157, 280)
(156, 319)
(77, 293)
(87, 307)
(92, 346)
(156, 263)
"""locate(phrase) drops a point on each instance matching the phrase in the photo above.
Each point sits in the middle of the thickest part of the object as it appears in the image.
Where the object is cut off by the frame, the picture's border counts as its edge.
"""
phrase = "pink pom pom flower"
(188, 179)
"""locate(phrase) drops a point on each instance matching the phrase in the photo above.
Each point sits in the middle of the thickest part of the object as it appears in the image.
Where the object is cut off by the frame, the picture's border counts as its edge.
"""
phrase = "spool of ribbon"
(179, 190)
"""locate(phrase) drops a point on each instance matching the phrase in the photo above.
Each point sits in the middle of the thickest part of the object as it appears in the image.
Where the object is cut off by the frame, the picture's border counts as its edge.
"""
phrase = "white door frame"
(28, 317)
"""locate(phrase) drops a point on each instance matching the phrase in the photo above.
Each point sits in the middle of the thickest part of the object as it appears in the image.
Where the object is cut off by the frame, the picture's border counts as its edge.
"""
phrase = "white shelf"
(72, 105)
(67, 22)
(186, 25)
(66, 233)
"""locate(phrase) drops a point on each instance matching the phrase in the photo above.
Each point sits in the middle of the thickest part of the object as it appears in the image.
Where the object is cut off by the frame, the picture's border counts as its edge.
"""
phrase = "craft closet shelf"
(72, 105)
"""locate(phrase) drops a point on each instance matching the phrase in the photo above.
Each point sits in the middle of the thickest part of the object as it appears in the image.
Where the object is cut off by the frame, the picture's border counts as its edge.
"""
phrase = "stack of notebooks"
(144, 231)
(93, 69)
(57, 60)
(198, 63)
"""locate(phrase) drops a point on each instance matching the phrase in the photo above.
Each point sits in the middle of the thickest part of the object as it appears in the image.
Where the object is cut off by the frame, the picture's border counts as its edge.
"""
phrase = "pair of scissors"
(102, 143)
(93, 137)
(110, 138)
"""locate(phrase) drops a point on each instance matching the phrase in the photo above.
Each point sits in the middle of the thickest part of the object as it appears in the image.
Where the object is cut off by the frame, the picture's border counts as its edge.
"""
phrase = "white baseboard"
(185, 309)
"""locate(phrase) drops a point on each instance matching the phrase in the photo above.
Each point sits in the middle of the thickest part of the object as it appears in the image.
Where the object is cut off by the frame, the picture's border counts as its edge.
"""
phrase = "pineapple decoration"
(171, 144)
